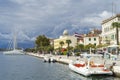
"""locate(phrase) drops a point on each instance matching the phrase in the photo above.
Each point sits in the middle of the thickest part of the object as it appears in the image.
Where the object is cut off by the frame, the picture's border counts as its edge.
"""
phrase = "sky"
(31, 18)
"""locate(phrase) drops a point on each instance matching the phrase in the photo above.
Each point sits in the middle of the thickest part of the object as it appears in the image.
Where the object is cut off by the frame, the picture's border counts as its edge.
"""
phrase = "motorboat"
(89, 67)
(49, 59)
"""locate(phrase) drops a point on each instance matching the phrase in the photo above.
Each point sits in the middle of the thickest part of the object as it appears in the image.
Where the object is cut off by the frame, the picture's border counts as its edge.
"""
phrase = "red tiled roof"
(91, 35)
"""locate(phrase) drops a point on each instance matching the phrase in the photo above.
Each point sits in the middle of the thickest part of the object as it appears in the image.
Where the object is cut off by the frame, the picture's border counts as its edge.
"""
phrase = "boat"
(14, 50)
(89, 67)
(49, 59)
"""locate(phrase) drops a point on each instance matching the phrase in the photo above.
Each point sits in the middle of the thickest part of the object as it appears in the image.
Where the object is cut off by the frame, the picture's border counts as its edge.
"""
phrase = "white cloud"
(21, 36)
(105, 14)
(5, 36)
(96, 18)
(51, 17)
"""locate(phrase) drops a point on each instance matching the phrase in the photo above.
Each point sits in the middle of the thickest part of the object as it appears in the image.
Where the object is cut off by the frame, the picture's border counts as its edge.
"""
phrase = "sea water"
(25, 67)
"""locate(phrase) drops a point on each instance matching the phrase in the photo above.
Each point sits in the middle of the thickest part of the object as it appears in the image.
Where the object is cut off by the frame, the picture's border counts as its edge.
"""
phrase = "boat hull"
(14, 52)
(85, 71)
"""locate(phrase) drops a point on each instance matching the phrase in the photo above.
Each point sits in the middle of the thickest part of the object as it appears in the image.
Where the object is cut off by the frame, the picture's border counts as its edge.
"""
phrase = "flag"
(77, 35)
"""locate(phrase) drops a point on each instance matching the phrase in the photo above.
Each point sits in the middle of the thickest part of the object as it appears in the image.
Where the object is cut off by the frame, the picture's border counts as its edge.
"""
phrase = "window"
(112, 37)
(89, 39)
(118, 18)
(94, 39)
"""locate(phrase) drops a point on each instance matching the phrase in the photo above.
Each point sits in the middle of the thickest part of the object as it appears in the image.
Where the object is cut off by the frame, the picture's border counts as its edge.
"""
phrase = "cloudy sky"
(50, 17)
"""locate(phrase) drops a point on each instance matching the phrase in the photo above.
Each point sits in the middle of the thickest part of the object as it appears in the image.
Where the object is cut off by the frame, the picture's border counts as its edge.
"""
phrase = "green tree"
(100, 46)
(81, 47)
(68, 43)
(87, 47)
(42, 42)
(61, 43)
(116, 25)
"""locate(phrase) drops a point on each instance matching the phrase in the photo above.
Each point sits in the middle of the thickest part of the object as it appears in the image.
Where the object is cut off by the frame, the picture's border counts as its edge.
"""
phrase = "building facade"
(92, 37)
(108, 32)
(91, 40)
(63, 38)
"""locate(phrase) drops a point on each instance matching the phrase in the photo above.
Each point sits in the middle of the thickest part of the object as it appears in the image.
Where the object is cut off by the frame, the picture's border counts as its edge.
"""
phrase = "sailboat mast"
(14, 41)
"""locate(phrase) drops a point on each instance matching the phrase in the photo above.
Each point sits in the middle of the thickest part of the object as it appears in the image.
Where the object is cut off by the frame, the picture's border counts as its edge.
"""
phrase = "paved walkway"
(65, 59)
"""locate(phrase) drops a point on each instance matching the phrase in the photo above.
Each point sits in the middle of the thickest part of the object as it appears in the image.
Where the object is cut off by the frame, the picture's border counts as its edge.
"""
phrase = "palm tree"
(68, 42)
(116, 25)
(61, 43)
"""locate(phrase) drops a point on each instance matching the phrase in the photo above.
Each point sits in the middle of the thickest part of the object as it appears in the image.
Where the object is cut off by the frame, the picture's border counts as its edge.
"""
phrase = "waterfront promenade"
(66, 60)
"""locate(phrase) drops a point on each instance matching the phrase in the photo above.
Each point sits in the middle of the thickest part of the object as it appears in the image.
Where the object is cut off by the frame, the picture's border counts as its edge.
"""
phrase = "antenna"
(113, 8)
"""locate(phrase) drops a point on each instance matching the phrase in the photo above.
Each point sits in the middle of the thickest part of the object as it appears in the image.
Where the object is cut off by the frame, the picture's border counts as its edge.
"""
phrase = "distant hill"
(26, 44)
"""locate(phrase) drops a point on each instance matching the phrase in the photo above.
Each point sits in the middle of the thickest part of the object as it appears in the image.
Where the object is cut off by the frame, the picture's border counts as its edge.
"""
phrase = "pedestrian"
(68, 54)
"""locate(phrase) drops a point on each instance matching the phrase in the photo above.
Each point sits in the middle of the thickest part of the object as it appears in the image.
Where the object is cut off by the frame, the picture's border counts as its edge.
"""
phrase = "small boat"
(49, 59)
(88, 68)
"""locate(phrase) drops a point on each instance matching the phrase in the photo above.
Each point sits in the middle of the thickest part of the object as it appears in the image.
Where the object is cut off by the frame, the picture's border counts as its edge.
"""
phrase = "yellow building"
(63, 38)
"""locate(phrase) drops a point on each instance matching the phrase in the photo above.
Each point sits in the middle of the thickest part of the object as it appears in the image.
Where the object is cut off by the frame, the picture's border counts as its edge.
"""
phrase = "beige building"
(108, 32)
(63, 38)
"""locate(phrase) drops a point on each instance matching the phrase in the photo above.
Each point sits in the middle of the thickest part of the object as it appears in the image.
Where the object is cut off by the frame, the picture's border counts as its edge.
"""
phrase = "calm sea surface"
(24, 67)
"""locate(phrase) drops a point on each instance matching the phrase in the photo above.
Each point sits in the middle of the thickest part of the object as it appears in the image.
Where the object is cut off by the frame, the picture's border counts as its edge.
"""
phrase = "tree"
(68, 43)
(81, 47)
(42, 42)
(61, 43)
(100, 46)
(87, 47)
(116, 25)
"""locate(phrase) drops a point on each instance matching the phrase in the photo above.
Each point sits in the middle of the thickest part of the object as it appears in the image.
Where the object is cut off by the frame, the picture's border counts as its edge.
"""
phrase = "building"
(92, 37)
(108, 32)
(63, 38)
(80, 38)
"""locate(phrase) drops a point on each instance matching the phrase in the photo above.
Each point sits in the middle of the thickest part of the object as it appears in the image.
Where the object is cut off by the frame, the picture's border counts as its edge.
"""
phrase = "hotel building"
(108, 32)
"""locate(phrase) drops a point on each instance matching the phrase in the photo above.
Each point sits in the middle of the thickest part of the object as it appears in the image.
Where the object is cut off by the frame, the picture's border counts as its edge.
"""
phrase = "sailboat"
(14, 50)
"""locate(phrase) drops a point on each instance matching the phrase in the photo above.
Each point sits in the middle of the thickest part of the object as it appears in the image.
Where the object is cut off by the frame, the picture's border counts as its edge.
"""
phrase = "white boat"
(49, 59)
(88, 68)
(14, 50)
